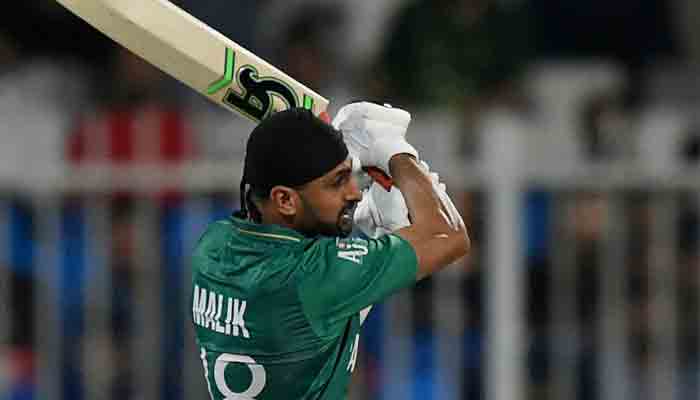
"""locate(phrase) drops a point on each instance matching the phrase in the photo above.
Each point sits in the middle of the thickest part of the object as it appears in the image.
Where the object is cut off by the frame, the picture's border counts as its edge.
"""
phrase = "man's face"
(329, 202)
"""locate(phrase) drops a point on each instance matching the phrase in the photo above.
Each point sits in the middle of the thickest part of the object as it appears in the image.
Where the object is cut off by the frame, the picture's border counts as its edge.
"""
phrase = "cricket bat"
(202, 58)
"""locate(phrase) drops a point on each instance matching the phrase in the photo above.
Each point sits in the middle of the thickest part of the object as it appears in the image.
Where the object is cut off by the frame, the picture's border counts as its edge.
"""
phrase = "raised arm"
(376, 135)
(436, 241)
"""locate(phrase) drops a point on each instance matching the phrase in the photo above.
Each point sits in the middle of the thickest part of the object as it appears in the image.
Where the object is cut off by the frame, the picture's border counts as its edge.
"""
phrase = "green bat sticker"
(258, 93)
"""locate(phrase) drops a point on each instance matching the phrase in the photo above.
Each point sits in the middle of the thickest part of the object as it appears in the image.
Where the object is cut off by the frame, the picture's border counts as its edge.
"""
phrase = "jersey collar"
(265, 231)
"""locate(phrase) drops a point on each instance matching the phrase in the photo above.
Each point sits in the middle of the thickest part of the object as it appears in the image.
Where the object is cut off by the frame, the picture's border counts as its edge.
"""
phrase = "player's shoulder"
(354, 250)
(384, 242)
(327, 246)
(234, 246)
(216, 235)
(235, 230)
(213, 233)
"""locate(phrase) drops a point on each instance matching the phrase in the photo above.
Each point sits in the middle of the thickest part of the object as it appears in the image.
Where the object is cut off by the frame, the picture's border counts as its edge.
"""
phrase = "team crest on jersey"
(353, 249)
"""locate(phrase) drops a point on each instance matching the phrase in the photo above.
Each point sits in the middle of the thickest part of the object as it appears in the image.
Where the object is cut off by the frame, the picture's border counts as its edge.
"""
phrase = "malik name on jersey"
(211, 312)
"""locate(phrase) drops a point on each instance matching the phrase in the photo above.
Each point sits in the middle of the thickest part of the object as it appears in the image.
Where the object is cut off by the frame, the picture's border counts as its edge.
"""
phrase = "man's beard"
(343, 226)
(346, 220)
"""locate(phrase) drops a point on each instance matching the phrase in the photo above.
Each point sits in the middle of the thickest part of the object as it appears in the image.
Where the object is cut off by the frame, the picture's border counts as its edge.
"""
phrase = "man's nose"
(354, 193)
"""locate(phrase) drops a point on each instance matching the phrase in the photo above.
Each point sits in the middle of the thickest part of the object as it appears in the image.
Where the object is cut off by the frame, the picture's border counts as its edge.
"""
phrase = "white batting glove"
(381, 212)
(374, 133)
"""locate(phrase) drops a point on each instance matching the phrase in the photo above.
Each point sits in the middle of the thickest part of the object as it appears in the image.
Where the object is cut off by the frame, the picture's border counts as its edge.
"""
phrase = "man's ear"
(286, 200)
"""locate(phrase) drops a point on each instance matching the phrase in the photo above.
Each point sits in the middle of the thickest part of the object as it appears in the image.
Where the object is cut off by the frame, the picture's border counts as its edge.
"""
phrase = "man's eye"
(341, 180)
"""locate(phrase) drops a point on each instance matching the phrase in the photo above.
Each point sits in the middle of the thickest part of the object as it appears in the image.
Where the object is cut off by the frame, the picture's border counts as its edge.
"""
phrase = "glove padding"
(374, 133)
(381, 212)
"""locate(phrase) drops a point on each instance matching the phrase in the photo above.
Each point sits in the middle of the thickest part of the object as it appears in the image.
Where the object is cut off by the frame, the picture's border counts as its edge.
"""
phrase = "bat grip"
(380, 177)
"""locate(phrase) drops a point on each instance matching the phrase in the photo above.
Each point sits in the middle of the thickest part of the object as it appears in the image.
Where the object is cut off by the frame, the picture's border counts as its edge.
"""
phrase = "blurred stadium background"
(568, 130)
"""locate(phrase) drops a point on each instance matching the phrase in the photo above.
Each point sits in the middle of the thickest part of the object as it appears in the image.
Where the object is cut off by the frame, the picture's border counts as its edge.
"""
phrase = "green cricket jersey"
(276, 314)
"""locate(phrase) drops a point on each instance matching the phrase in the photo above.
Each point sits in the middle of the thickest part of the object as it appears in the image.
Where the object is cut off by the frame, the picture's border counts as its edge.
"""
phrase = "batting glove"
(381, 212)
(374, 133)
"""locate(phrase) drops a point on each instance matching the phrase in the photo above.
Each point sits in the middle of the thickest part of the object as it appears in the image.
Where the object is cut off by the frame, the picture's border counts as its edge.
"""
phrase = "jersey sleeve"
(343, 276)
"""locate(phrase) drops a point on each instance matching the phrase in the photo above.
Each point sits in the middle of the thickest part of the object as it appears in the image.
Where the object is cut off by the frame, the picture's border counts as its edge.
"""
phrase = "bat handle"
(380, 177)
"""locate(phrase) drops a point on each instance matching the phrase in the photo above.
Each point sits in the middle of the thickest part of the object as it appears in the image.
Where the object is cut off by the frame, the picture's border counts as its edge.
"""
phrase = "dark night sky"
(633, 31)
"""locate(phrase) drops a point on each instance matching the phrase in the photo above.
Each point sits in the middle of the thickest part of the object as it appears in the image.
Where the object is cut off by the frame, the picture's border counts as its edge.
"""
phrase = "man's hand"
(381, 212)
(374, 133)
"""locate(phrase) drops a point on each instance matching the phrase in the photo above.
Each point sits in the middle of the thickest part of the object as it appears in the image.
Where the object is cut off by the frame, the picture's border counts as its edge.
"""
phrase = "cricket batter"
(281, 288)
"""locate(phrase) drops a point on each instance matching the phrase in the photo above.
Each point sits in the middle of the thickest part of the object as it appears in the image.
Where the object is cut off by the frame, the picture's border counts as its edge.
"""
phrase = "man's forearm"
(423, 204)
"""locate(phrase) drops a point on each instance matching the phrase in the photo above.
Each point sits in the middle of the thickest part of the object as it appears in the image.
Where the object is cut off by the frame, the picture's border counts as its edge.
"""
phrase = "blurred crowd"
(588, 92)
(588, 83)
(580, 94)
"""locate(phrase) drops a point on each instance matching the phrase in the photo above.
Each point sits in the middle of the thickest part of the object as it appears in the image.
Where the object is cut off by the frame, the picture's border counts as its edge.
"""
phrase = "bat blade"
(202, 58)
(197, 55)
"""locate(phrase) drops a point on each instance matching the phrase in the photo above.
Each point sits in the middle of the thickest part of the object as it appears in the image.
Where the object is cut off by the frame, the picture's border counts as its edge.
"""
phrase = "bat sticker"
(257, 97)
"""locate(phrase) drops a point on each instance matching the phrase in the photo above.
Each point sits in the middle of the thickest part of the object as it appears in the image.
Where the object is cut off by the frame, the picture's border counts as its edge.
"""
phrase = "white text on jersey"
(208, 310)
(352, 249)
